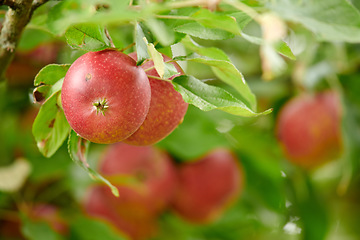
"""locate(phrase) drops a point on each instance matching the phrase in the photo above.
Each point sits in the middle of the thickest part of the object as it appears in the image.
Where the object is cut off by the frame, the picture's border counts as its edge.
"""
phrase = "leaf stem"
(159, 78)
(127, 47)
(174, 17)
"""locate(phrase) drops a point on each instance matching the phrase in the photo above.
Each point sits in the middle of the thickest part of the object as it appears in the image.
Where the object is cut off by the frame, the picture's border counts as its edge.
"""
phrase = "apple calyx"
(101, 106)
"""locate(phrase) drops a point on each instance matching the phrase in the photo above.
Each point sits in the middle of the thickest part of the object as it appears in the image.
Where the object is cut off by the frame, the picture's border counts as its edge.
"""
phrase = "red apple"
(105, 96)
(135, 211)
(309, 129)
(207, 186)
(167, 108)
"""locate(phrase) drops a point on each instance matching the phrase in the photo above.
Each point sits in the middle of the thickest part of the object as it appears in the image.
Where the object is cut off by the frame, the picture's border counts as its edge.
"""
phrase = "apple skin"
(137, 207)
(207, 186)
(167, 108)
(106, 76)
(309, 129)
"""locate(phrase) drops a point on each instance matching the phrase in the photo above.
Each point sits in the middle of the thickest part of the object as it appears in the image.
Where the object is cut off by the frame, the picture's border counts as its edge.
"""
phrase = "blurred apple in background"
(137, 208)
(51, 215)
(309, 129)
(38, 212)
(99, 206)
(26, 64)
(207, 186)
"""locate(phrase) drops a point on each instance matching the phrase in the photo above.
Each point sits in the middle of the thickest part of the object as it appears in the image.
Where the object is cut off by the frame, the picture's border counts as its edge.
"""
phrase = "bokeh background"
(278, 200)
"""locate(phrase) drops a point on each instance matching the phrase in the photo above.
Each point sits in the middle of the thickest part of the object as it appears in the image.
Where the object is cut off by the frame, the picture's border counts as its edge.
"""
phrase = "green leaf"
(262, 163)
(222, 67)
(165, 70)
(309, 206)
(331, 20)
(50, 74)
(284, 49)
(242, 19)
(170, 70)
(280, 46)
(71, 12)
(216, 20)
(207, 97)
(89, 37)
(43, 92)
(38, 230)
(92, 229)
(162, 32)
(197, 30)
(78, 148)
(157, 59)
(140, 45)
(50, 127)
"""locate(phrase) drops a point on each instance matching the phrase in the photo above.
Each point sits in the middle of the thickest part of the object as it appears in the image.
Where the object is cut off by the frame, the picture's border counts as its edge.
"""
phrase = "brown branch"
(16, 18)
(10, 3)
(38, 3)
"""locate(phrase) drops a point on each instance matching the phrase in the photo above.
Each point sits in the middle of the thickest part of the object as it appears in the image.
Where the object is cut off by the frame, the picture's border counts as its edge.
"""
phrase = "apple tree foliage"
(243, 59)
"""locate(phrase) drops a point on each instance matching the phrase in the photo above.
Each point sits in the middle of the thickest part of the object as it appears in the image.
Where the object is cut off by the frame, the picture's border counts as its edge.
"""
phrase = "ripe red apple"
(207, 186)
(105, 96)
(167, 108)
(135, 211)
(309, 129)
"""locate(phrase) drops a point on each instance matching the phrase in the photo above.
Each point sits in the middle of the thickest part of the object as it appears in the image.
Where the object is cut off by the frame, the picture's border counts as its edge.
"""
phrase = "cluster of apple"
(107, 98)
(309, 129)
(197, 191)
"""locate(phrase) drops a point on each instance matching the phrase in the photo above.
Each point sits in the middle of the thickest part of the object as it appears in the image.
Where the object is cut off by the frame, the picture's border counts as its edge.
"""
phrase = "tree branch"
(38, 3)
(16, 18)
(11, 3)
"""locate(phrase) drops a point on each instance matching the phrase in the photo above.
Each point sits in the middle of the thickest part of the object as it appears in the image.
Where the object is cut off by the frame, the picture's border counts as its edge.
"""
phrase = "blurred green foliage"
(280, 200)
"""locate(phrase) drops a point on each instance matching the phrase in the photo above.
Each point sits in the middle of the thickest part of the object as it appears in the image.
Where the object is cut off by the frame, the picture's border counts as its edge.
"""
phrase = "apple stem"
(101, 106)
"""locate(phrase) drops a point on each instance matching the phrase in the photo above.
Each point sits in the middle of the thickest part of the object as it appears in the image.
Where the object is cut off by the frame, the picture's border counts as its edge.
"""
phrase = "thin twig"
(109, 37)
